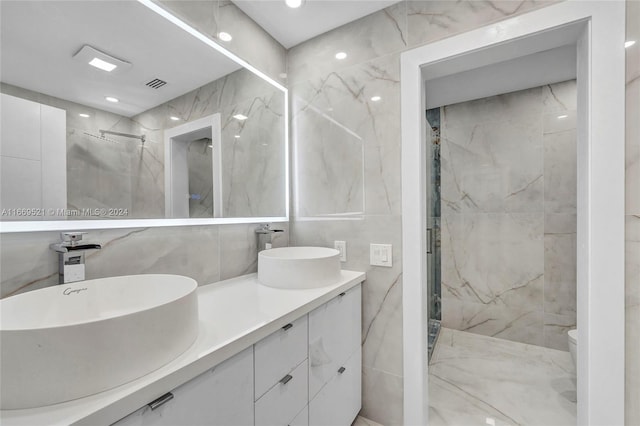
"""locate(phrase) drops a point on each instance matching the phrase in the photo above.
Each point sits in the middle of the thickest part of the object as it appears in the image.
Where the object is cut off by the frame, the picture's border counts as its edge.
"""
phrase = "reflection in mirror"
(81, 142)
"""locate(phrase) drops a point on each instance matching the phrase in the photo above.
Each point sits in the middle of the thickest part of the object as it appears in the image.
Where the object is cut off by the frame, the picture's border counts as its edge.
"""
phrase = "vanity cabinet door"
(334, 335)
(340, 400)
(222, 396)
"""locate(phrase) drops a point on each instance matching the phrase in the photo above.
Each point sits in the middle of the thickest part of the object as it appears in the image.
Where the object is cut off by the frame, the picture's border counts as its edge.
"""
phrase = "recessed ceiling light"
(111, 99)
(210, 146)
(174, 118)
(294, 4)
(240, 117)
(375, 98)
(84, 115)
(629, 43)
(237, 136)
(103, 65)
(562, 116)
(224, 36)
(341, 55)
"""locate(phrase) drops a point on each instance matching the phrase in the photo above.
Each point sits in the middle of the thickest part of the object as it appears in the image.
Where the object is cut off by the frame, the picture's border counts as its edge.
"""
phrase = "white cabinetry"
(306, 373)
(335, 360)
(222, 396)
(33, 159)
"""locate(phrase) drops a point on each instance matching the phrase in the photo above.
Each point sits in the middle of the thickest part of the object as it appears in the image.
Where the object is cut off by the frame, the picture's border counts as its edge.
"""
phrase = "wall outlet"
(381, 255)
(341, 246)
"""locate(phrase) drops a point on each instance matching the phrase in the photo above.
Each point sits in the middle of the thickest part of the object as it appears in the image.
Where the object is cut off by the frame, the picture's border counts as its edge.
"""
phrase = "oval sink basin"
(72, 340)
(299, 267)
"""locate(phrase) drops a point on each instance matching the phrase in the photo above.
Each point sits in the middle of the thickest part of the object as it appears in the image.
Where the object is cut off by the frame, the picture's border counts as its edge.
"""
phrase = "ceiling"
(40, 38)
(293, 26)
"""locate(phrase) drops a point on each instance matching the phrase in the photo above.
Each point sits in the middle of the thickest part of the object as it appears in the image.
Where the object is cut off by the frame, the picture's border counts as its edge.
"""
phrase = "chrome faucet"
(265, 236)
(71, 256)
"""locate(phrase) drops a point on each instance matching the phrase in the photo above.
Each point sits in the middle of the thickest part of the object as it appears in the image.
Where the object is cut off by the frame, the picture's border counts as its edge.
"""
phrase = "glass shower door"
(433, 227)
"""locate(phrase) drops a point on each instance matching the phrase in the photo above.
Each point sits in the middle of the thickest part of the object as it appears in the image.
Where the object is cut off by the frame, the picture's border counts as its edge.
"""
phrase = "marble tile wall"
(632, 218)
(508, 176)
(250, 41)
(342, 90)
(204, 253)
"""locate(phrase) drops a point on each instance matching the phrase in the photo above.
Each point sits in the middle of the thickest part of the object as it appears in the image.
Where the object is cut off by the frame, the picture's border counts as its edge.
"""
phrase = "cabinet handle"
(286, 379)
(288, 326)
(341, 370)
(342, 294)
(160, 401)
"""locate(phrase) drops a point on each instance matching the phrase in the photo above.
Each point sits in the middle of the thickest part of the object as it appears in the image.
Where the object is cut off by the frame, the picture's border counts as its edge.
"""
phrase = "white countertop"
(234, 314)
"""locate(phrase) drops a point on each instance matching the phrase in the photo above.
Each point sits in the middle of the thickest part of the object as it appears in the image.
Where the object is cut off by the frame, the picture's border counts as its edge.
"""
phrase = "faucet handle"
(72, 237)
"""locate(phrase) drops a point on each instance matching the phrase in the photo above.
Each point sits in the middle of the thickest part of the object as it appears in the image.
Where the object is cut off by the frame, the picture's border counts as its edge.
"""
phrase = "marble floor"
(481, 380)
(361, 421)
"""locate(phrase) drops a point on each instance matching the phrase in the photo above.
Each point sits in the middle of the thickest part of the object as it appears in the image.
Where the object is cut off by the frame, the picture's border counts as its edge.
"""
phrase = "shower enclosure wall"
(433, 228)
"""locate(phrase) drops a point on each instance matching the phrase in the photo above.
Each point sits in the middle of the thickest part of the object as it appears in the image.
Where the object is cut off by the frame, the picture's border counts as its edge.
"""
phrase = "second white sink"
(299, 267)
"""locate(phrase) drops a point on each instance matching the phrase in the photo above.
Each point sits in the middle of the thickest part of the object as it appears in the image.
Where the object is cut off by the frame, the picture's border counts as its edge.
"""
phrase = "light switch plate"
(341, 246)
(381, 255)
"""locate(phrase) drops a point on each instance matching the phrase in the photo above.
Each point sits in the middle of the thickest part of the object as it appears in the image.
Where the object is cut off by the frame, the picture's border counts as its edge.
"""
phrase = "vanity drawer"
(283, 402)
(279, 353)
(334, 335)
(339, 402)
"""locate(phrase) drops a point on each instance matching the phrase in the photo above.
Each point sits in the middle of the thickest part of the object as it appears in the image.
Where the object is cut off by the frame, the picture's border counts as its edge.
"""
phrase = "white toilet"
(573, 343)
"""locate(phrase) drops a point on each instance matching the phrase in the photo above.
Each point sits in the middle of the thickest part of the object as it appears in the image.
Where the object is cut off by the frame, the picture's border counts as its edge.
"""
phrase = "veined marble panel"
(493, 259)
(492, 154)
(524, 325)
(382, 294)
(555, 330)
(632, 304)
(192, 251)
(433, 20)
(26, 262)
(382, 397)
(475, 379)
(368, 38)
(632, 150)
(523, 106)
(344, 99)
(632, 222)
(558, 97)
(329, 178)
(560, 265)
(250, 41)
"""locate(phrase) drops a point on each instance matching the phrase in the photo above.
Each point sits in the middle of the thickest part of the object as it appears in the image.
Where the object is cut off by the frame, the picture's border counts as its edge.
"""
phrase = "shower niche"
(193, 169)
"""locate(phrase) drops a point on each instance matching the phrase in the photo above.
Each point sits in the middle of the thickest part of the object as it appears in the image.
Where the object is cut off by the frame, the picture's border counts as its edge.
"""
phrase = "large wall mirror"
(113, 116)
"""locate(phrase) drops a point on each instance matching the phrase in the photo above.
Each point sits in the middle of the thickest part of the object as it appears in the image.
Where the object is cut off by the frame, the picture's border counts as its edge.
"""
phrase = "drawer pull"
(341, 370)
(160, 401)
(342, 294)
(286, 379)
(288, 326)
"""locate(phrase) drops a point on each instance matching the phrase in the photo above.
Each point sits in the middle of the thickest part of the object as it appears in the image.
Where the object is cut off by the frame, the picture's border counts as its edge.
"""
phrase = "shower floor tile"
(481, 380)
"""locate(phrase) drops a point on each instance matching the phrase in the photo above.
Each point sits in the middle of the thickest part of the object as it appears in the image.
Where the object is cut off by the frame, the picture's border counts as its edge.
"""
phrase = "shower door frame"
(600, 191)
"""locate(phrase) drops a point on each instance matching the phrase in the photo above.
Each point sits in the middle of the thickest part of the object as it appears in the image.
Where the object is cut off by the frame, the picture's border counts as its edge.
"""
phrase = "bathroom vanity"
(263, 356)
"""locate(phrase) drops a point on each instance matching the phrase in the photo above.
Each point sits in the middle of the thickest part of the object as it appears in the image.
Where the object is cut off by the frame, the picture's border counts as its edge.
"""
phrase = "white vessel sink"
(299, 267)
(72, 340)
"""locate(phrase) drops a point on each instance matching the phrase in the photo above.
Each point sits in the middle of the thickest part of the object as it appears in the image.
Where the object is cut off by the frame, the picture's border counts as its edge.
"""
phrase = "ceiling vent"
(156, 83)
